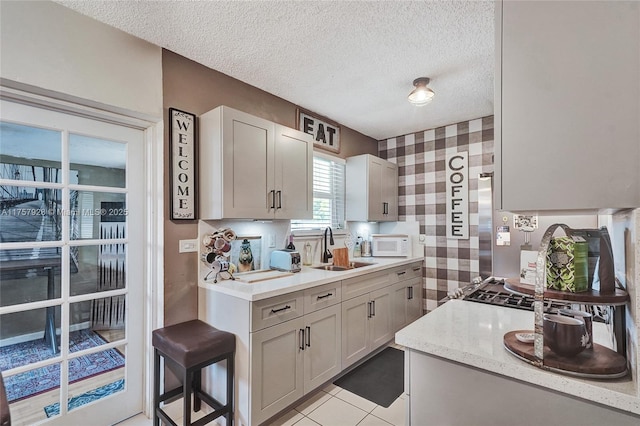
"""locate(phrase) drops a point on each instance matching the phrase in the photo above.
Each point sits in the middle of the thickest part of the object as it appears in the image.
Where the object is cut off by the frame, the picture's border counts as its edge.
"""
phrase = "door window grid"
(56, 181)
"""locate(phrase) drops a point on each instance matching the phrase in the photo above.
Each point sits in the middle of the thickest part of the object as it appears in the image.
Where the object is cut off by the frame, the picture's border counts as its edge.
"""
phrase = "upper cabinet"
(567, 105)
(252, 168)
(372, 189)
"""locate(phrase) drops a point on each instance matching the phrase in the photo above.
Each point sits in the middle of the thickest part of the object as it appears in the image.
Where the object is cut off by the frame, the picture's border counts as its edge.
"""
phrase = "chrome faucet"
(326, 254)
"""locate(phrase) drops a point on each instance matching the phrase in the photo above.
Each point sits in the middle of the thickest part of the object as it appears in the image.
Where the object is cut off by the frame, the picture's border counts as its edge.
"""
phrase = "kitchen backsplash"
(421, 168)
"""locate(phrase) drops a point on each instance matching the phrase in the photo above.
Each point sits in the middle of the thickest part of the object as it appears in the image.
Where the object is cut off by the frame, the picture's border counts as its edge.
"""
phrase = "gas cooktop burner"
(492, 292)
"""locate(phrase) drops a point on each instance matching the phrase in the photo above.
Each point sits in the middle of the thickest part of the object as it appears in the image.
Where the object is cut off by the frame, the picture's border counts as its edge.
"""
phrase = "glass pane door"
(71, 289)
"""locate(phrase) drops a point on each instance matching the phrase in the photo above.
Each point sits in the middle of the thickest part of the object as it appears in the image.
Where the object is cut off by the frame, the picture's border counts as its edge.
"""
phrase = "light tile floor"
(333, 406)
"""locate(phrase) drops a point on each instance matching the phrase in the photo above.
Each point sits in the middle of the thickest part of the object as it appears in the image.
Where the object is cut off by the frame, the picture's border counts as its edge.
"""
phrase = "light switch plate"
(188, 246)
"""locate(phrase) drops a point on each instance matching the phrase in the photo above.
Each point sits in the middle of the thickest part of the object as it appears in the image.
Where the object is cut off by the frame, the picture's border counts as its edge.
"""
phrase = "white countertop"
(472, 334)
(307, 278)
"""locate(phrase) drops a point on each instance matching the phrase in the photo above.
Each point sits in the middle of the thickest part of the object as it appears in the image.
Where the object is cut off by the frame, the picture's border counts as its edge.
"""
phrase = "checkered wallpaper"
(420, 156)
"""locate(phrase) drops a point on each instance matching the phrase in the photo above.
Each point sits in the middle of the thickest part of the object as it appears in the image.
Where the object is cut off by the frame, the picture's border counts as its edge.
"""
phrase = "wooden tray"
(597, 363)
(341, 257)
(620, 297)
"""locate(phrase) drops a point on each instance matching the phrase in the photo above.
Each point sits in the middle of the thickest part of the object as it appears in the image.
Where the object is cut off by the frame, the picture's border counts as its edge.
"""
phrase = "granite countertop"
(308, 277)
(472, 334)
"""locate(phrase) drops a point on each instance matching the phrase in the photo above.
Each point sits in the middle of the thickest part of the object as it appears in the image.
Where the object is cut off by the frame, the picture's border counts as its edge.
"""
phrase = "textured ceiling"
(351, 61)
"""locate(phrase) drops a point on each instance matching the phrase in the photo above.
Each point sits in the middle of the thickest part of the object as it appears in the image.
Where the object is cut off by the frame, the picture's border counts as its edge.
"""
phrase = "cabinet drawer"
(406, 272)
(352, 287)
(275, 310)
(322, 296)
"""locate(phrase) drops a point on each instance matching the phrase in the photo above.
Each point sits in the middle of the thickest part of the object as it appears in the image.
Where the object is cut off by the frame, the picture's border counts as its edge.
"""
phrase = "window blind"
(328, 195)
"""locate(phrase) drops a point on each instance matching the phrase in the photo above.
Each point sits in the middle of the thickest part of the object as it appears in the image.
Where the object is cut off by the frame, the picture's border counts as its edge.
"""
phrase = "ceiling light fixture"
(421, 95)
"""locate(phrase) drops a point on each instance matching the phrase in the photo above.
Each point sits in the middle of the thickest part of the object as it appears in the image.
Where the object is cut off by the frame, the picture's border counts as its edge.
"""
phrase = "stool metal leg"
(186, 395)
(197, 387)
(156, 387)
(230, 379)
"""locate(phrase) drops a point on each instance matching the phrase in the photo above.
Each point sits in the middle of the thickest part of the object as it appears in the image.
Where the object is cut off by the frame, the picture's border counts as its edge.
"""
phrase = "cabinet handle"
(273, 198)
(325, 296)
(279, 194)
(369, 315)
(275, 311)
(410, 293)
(301, 340)
(308, 336)
(401, 273)
(373, 306)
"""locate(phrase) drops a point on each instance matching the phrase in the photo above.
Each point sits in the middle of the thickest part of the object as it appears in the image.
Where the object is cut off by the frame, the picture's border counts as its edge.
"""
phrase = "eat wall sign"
(326, 135)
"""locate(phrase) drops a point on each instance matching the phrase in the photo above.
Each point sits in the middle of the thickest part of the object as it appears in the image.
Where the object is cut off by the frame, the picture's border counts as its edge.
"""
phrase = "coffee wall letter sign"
(457, 195)
(182, 135)
(326, 135)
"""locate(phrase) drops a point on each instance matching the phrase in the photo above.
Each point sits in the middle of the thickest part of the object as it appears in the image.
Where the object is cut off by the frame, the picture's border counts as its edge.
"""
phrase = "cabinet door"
(380, 331)
(414, 301)
(355, 329)
(276, 368)
(293, 174)
(375, 184)
(322, 352)
(389, 188)
(399, 296)
(248, 154)
(567, 122)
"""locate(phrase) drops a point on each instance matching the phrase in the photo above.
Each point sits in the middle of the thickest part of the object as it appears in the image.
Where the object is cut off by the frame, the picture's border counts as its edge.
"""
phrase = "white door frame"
(153, 205)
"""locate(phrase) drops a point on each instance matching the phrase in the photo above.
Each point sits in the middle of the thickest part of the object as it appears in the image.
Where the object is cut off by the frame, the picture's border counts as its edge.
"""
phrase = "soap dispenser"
(357, 249)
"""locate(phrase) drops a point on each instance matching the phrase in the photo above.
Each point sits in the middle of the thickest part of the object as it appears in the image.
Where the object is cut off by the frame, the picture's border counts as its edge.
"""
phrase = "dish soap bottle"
(357, 249)
(290, 246)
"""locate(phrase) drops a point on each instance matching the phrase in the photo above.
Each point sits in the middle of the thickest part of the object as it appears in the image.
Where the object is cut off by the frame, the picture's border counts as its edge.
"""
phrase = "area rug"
(87, 397)
(379, 379)
(37, 381)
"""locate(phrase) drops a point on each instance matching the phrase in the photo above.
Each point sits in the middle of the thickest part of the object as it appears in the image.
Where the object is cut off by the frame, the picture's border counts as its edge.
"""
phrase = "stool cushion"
(193, 342)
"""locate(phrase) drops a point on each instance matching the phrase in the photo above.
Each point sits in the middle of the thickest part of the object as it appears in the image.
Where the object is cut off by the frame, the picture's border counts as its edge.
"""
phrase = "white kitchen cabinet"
(366, 324)
(276, 368)
(322, 346)
(252, 168)
(406, 300)
(372, 189)
(291, 359)
(567, 116)
(292, 343)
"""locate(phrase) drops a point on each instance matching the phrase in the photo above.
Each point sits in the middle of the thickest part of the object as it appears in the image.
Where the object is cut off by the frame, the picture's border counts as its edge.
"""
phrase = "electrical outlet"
(272, 240)
(187, 246)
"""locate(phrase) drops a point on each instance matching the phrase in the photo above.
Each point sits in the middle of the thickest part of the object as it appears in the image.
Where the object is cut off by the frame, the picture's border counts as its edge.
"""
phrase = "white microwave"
(390, 245)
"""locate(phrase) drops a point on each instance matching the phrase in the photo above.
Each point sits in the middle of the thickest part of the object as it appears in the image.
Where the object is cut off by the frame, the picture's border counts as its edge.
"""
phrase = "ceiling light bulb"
(421, 95)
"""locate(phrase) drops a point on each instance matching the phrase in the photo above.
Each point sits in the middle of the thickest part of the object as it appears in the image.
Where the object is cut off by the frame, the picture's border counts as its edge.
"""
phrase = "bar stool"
(187, 348)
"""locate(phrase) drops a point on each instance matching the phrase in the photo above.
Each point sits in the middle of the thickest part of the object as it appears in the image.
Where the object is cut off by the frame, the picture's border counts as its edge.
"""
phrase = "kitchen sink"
(352, 265)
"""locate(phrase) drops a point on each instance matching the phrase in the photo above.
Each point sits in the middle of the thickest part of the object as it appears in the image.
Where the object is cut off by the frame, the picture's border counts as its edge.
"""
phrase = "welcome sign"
(457, 168)
(183, 164)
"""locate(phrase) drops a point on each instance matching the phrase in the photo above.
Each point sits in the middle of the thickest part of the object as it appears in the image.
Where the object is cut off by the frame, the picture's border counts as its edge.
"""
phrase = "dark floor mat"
(379, 380)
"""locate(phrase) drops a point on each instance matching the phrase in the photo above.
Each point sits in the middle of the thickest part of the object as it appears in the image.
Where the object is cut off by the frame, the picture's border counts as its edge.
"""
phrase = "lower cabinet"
(406, 301)
(322, 347)
(293, 358)
(291, 344)
(276, 368)
(366, 323)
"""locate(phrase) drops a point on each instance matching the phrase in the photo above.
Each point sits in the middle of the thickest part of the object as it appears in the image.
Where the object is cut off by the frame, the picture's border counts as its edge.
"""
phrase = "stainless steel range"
(492, 292)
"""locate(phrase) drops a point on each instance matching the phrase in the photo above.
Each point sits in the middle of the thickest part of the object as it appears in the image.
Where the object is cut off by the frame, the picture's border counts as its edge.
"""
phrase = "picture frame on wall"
(183, 165)
(326, 133)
